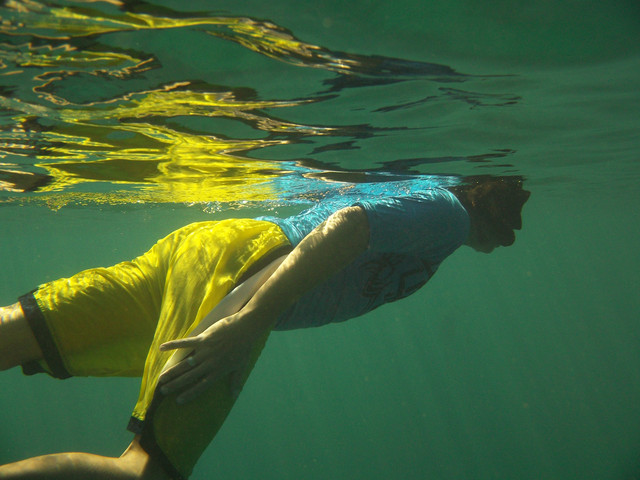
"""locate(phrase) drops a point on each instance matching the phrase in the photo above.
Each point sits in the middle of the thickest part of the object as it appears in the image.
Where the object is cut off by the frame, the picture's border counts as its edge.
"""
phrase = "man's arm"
(324, 252)
(226, 346)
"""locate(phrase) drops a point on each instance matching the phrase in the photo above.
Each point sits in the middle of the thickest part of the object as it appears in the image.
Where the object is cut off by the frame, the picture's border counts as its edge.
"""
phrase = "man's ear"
(475, 194)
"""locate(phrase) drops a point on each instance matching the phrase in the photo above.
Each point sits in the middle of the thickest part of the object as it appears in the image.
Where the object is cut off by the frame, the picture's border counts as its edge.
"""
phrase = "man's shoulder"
(426, 202)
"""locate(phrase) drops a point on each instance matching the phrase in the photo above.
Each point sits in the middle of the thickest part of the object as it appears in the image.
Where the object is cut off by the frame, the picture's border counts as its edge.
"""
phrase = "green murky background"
(520, 364)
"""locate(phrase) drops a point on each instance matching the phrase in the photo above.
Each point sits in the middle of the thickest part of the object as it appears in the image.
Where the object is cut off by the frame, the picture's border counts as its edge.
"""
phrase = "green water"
(521, 364)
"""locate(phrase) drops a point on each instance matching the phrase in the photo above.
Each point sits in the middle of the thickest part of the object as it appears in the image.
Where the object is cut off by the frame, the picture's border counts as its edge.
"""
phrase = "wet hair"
(497, 201)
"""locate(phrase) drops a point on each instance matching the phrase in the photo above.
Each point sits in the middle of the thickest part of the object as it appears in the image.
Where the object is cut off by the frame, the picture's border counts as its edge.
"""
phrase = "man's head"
(494, 205)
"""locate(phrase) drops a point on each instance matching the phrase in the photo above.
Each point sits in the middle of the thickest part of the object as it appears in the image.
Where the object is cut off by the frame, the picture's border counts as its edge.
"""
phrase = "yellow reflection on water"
(94, 144)
(137, 140)
(124, 141)
(27, 17)
(68, 57)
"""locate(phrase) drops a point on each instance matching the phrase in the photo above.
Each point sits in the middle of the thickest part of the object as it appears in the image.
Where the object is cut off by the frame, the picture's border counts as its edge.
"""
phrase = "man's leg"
(18, 346)
(17, 343)
(134, 463)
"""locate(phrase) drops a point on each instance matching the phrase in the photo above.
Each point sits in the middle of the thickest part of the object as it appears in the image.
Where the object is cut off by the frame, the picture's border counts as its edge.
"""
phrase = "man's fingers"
(178, 369)
(180, 343)
(207, 360)
(189, 372)
(180, 377)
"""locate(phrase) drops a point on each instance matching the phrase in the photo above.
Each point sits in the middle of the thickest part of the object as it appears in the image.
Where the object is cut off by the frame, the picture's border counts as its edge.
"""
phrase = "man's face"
(495, 214)
(488, 232)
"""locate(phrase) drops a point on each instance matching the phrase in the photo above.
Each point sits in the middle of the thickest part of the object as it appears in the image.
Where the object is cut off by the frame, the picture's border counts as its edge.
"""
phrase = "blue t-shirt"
(410, 235)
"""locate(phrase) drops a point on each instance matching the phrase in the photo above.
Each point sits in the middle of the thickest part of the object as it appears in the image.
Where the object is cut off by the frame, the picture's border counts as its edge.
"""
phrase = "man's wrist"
(258, 319)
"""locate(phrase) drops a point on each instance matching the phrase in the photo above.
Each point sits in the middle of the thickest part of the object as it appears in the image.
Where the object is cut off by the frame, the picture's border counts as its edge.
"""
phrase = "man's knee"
(141, 465)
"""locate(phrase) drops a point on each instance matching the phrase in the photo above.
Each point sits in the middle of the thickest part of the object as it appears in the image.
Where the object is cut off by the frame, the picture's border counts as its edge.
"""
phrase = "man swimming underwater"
(340, 259)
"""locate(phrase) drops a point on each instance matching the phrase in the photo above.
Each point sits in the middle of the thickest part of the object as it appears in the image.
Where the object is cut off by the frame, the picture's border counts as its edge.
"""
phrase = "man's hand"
(226, 347)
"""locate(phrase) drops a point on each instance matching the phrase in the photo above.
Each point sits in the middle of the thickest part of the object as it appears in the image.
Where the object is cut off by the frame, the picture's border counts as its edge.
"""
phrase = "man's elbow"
(354, 224)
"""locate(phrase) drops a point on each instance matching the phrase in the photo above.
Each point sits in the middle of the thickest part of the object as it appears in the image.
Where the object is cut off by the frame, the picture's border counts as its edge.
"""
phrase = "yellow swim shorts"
(111, 321)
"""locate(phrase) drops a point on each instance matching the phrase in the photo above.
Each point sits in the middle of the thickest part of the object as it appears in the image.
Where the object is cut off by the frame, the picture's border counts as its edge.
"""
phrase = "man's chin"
(484, 248)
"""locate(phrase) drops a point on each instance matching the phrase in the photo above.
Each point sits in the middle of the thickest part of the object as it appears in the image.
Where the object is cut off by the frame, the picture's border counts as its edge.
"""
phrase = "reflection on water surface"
(85, 119)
